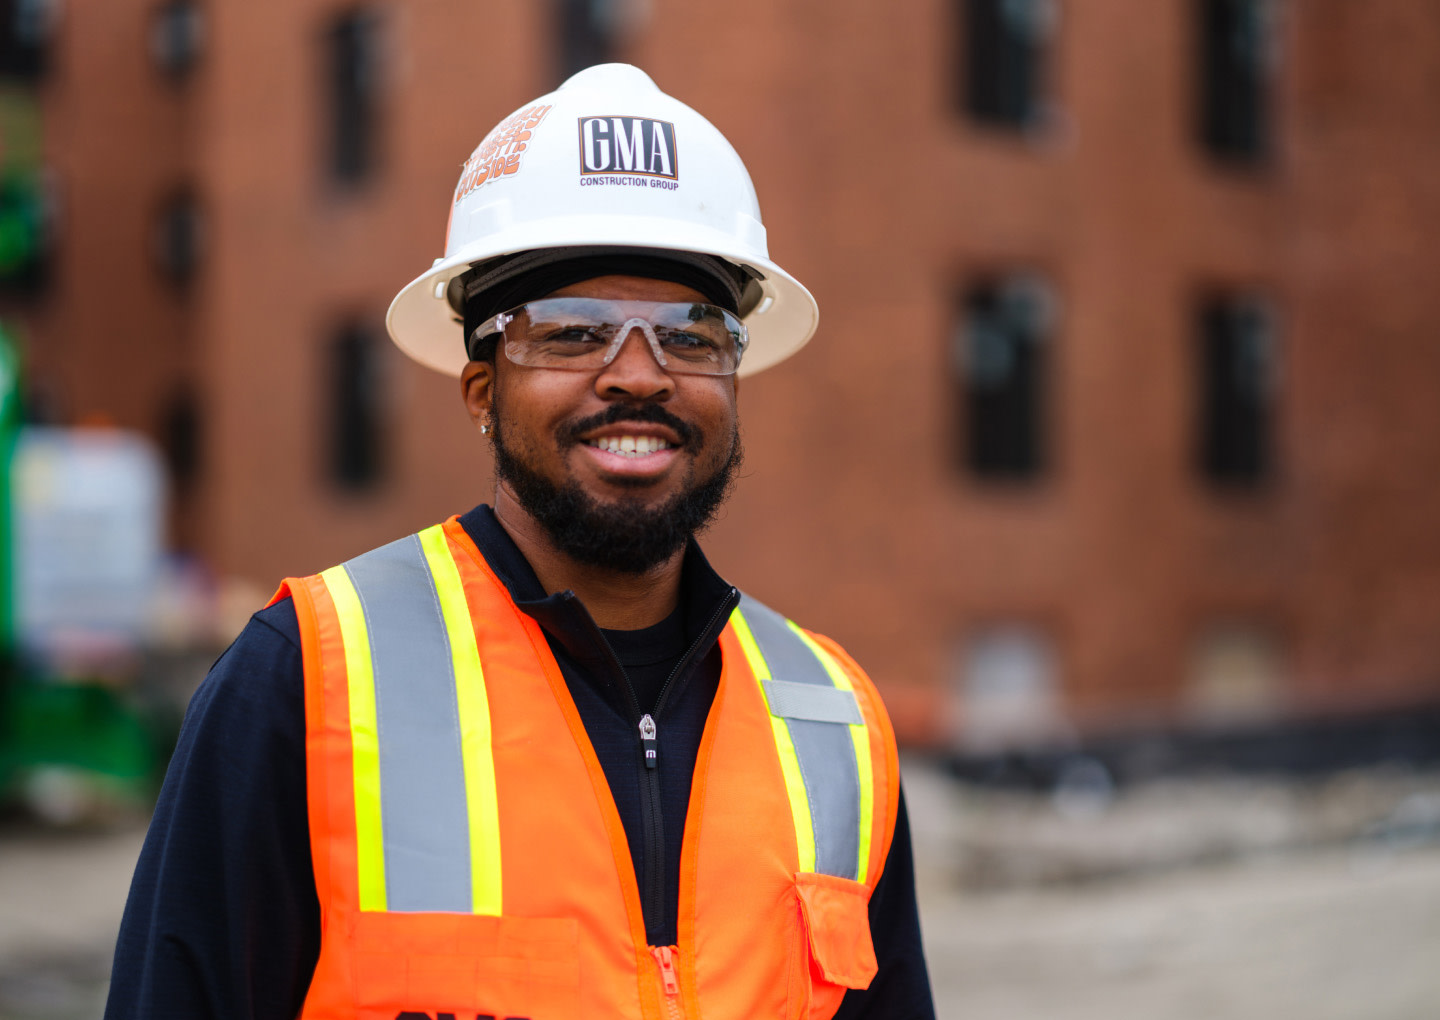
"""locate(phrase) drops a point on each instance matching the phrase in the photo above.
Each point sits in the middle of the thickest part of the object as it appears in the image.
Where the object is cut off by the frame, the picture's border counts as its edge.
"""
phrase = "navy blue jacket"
(223, 920)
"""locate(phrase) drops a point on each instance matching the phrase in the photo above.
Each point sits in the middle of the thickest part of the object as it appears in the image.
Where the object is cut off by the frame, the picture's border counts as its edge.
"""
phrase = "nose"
(634, 374)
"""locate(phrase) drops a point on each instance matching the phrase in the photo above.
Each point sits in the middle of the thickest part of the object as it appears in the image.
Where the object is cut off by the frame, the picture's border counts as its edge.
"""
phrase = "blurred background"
(1116, 457)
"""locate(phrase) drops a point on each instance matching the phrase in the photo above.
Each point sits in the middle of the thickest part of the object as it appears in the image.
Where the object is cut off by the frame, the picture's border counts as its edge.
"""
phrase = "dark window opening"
(353, 59)
(180, 437)
(177, 36)
(1237, 370)
(356, 421)
(1004, 43)
(1234, 41)
(179, 237)
(588, 33)
(26, 27)
(999, 354)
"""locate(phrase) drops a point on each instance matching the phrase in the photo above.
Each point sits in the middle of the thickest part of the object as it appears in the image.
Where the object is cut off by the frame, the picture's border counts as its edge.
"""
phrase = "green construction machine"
(81, 512)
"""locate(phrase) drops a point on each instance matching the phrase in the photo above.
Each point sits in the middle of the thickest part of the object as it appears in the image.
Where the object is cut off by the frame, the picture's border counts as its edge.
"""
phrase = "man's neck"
(616, 600)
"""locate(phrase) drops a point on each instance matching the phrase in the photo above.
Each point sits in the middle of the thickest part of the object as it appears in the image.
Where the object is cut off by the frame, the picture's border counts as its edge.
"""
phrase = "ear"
(477, 389)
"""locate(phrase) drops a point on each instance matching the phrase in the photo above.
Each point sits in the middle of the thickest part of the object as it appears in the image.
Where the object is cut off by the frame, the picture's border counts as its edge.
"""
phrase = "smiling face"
(619, 464)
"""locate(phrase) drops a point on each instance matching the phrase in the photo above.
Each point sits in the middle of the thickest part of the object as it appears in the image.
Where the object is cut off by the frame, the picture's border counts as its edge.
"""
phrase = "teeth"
(630, 446)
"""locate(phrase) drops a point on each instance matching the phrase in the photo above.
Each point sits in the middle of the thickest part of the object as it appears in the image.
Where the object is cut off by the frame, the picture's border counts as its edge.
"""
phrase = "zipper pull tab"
(665, 957)
(648, 741)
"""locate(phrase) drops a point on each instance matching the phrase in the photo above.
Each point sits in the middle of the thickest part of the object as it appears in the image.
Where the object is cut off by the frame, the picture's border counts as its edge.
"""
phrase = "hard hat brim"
(425, 327)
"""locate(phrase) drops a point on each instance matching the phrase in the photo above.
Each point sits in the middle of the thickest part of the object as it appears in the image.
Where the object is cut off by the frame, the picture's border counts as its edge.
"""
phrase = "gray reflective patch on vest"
(790, 700)
(824, 749)
(422, 772)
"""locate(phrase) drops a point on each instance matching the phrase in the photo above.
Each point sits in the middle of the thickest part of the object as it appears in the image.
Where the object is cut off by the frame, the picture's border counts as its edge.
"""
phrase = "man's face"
(619, 464)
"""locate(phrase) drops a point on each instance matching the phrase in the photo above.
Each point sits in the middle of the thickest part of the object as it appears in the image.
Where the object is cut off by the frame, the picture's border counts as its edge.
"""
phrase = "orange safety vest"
(469, 859)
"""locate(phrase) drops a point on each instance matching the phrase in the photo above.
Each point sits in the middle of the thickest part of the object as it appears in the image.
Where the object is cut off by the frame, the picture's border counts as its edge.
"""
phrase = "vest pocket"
(836, 917)
(466, 964)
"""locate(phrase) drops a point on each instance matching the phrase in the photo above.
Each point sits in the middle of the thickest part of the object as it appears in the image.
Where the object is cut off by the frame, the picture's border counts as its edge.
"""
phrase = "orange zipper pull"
(665, 957)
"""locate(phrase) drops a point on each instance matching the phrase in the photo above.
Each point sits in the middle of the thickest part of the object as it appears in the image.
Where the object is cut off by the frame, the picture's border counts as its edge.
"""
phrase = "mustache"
(650, 414)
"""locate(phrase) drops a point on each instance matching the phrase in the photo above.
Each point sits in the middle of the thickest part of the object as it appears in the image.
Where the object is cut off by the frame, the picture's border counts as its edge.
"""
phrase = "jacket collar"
(706, 598)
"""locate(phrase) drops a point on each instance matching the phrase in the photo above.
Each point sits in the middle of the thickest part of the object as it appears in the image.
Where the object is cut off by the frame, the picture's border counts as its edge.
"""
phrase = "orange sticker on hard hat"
(499, 154)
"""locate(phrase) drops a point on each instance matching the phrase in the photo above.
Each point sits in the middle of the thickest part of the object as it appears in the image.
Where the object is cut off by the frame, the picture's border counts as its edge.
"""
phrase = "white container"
(88, 520)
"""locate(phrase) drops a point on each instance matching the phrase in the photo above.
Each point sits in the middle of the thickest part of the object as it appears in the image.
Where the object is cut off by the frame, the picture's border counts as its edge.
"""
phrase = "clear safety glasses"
(585, 334)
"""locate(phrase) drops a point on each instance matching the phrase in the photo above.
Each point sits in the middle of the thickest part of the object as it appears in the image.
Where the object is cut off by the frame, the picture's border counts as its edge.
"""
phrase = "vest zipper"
(669, 979)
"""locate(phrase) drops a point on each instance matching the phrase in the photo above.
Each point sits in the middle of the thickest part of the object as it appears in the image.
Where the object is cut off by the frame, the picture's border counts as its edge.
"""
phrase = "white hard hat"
(605, 160)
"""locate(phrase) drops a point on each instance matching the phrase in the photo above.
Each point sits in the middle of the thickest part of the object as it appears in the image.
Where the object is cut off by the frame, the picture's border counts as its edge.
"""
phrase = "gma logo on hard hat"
(628, 145)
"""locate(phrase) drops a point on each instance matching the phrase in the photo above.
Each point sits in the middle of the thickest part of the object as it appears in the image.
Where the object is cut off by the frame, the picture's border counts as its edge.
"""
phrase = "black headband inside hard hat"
(511, 281)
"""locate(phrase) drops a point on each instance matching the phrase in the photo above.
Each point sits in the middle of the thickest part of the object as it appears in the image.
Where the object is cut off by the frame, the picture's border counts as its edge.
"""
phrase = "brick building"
(1122, 406)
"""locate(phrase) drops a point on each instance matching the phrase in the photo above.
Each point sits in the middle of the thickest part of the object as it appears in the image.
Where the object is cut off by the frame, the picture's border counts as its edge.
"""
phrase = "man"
(541, 761)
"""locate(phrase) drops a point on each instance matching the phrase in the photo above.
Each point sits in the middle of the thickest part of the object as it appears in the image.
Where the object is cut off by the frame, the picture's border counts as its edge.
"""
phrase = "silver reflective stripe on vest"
(422, 773)
(811, 701)
(824, 748)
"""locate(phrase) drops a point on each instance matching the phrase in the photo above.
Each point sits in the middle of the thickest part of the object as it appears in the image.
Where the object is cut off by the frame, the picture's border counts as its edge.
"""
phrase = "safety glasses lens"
(581, 333)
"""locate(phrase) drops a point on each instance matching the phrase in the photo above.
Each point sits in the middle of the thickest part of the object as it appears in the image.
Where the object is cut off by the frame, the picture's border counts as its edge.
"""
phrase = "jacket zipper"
(652, 882)
(726, 606)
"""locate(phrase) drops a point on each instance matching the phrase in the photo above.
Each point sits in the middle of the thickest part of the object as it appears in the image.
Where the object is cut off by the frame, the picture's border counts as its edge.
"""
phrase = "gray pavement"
(1329, 935)
(61, 896)
(1220, 899)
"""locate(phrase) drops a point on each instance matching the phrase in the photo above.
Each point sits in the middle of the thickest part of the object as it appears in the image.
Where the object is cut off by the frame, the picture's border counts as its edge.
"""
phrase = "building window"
(1004, 43)
(179, 237)
(998, 356)
(356, 418)
(181, 437)
(352, 46)
(586, 31)
(1234, 41)
(177, 37)
(26, 27)
(1236, 372)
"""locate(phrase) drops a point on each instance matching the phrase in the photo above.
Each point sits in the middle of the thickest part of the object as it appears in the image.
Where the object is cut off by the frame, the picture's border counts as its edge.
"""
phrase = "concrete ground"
(1214, 899)
(61, 895)
(1319, 901)
(1324, 937)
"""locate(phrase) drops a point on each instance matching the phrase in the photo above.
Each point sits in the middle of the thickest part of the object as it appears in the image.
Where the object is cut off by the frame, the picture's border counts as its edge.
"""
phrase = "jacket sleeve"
(901, 987)
(222, 922)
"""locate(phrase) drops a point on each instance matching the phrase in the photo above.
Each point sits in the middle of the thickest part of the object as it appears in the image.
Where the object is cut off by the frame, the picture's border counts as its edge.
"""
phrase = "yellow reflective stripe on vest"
(861, 740)
(475, 733)
(364, 738)
(828, 771)
(427, 822)
(784, 746)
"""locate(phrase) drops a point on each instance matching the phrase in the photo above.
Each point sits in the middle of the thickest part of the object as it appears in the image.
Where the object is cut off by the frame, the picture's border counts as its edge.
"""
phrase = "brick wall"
(886, 201)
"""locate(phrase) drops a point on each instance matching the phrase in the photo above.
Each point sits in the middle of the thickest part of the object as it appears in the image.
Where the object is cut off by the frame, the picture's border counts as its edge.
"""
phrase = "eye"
(569, 340)
(681, 339)
(572, 334)
(688, 345)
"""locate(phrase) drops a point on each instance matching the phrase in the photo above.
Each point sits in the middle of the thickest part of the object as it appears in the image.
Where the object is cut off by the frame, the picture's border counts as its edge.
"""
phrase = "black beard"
(624, 536)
